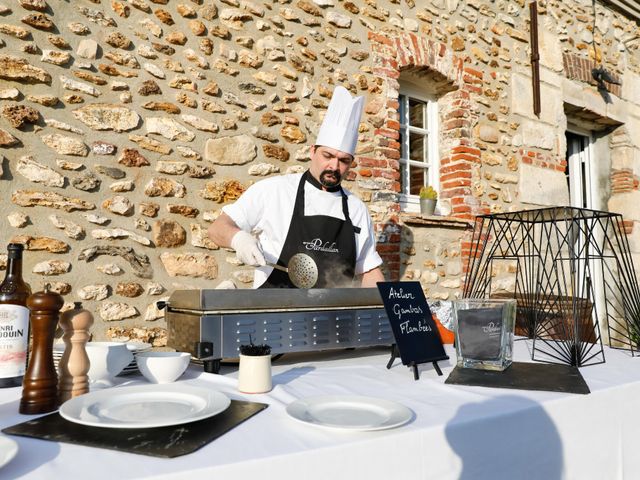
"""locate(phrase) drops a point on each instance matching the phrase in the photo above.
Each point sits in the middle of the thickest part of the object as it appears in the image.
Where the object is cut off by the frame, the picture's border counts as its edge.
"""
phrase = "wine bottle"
(14, 320)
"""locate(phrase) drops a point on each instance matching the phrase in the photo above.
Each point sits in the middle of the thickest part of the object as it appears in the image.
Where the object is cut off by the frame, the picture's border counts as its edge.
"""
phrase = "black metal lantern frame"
(573, 273)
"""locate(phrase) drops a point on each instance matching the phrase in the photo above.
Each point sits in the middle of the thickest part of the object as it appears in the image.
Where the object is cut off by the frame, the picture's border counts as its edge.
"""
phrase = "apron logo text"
(317, 245)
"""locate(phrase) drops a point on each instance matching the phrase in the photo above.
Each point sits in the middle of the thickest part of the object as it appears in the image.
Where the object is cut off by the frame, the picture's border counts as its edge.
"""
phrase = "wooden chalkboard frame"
(416, 335)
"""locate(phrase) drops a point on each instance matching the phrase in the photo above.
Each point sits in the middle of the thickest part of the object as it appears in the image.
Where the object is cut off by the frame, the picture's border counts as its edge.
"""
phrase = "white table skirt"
(458, 432)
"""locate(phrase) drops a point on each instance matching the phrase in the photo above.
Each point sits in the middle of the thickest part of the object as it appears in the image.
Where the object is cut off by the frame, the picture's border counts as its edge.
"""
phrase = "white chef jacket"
(266, 208)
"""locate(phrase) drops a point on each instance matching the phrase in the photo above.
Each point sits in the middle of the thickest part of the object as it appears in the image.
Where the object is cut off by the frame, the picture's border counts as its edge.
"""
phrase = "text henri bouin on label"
(7, 331)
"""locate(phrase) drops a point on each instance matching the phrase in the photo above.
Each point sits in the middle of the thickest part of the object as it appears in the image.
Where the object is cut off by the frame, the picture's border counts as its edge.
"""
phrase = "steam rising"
(333, 277)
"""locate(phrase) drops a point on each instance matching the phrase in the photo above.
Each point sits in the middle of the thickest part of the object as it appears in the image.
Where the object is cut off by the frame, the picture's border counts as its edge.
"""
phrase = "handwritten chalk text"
(410, 309)
(400, 294)
(422, 327)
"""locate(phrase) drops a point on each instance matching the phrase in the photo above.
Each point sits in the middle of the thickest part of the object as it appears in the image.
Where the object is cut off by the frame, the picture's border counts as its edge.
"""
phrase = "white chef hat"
(339, 128)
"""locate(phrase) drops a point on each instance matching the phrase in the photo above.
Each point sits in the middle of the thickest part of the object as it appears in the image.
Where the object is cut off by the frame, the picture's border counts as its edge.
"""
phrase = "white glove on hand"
(247, 249)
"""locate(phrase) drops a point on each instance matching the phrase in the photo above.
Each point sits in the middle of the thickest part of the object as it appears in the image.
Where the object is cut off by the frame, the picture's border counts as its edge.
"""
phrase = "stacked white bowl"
(133, 347)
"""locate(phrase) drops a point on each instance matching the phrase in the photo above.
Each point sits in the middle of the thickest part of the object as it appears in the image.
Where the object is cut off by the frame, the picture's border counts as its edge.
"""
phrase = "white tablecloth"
(458, 432)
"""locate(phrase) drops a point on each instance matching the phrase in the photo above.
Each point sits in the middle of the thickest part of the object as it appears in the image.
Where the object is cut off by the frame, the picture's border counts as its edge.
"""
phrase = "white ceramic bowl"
(107, 359)
(162, 367)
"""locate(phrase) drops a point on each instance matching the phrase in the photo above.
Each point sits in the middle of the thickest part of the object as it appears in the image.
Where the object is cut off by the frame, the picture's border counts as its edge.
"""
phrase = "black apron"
(330, 241)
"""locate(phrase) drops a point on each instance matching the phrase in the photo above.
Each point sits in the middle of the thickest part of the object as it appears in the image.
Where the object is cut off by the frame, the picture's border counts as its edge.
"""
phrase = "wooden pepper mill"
(74, 364)
(39, 387)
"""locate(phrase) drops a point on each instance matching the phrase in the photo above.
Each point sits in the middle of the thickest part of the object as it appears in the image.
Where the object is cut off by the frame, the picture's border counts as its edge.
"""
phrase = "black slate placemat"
(524, 376)
(167, 442)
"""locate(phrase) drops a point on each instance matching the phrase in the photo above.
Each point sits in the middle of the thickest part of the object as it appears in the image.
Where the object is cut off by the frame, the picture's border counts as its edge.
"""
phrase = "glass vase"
(484, 332)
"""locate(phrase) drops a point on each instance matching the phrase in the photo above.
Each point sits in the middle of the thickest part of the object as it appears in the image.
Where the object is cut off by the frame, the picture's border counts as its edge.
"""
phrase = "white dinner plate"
(350, 412)
(144, 406)
(136, 347)
(8, 450)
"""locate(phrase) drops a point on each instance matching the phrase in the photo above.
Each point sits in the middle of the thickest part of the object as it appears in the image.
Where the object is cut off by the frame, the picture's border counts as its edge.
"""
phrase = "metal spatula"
(302, 270)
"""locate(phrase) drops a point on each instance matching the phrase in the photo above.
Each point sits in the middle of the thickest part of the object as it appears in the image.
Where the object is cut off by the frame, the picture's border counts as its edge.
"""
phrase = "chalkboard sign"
(415, 332)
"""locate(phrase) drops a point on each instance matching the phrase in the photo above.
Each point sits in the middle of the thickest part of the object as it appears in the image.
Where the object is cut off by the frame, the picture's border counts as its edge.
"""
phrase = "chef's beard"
(330, 183)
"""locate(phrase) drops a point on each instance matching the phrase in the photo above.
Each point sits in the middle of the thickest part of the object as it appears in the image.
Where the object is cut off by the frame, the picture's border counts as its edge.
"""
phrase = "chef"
(308, 213)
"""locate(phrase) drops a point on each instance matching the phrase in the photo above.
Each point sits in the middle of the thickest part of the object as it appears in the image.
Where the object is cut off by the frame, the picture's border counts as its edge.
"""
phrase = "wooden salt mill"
(39, 387)
(74, 364)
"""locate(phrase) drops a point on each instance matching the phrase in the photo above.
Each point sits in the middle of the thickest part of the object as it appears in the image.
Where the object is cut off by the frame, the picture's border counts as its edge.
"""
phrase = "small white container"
(162, 367)
(106, 360)
(254, 375)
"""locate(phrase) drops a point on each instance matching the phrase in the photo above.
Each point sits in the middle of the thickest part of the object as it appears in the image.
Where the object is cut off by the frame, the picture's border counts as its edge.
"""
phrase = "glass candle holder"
(484, 332)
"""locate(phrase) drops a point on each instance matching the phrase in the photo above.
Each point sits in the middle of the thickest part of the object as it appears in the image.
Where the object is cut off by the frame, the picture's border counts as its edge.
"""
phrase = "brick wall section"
(389, 238)
(579, 68)
(459, 156)
(466, 245)
(623, 180)
(542, 160)
(472, 245)
(410, 52)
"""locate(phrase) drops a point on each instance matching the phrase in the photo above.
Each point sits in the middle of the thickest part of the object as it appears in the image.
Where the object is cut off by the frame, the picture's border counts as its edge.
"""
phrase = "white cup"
(107, 359)
(162, 367)
(254, 375)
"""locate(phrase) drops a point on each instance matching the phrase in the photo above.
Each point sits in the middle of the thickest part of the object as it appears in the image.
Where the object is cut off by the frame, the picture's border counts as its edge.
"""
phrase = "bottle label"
(14, 340)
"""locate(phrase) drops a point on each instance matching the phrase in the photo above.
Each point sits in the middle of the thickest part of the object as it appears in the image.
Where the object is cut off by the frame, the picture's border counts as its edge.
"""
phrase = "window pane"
(415, 154)
(418, 179)
(417, 146)
(416, 113)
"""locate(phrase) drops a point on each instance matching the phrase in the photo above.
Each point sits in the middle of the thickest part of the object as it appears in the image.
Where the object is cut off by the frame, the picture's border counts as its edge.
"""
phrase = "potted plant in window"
(428, 200)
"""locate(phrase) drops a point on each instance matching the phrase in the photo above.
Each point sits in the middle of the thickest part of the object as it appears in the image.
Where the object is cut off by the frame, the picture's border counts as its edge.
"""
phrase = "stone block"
(111, 311)
(630, 86)
(522, 99)
(543, 186)
(550, 53)
(236, 150)
(190, 264)
(625, 157)
(633, 126)
(626, 204)
(634, 238)
(538, 135)
(588, 98)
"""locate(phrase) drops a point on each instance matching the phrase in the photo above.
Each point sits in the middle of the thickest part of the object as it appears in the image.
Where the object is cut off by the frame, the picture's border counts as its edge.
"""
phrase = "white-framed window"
(586, 279)
(419, 159)
(580, 169)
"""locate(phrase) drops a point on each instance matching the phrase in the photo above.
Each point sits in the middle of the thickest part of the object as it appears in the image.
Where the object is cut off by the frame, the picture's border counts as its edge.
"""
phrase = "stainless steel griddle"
(289, 320)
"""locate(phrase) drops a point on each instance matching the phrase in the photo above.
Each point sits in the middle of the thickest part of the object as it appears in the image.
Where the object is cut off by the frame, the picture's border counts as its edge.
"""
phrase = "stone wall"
(126, 125)
(433, 254)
